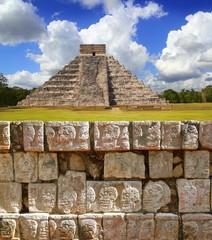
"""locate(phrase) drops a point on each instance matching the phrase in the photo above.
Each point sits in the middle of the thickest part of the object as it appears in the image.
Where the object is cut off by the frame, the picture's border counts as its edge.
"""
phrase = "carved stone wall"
(106, 180)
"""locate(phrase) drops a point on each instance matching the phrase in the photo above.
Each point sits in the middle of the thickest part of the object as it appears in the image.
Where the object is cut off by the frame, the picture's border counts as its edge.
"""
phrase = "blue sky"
(166, 43)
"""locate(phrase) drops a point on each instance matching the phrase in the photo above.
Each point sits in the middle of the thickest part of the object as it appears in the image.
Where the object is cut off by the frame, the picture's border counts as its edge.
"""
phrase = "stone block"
(160, 164)
(114, 226)
(197, 226)
(6, 169)
(197, 164)
(4, 135)
(76, 162)
(155, 195)
(111, 136)
(124, 165)
(33, 136)
(171, 135)
(42, 197)
(10, 197)
(205, 137)
(167, 226)
(25, 165)
(47, 166)
(194, 195)
(34, 226)
(68, 136)
(90, 226)
(140, 226)
(146, 135)
(190, 134)
(16, 132)
(63, 227)
(9, 228)
(72, 192)
(114, 196)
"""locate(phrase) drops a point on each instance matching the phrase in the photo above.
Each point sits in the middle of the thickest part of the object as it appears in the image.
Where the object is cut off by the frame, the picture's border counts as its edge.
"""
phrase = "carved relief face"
(7, 228)
(88, 229)
(83, 133)
(153, 194)
(111, 132)
(129, 197)
(48, 199)
(67, 200)
(91, 195)
(5, 135)
(108, 195)
(30, 133)
(189, 195)
(29, 229)
(190, 231)
(67, 230)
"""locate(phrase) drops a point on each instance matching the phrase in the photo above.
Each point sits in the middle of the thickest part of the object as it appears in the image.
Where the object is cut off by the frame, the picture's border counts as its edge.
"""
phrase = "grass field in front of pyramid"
(176, 112)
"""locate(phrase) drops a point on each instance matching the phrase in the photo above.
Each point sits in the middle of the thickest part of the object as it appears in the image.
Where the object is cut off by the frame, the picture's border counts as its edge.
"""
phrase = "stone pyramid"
(92, 79)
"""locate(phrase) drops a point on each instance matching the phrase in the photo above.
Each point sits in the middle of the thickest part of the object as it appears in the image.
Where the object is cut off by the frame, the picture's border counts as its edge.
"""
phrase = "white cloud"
(19, 23)
(27, 79)
(187, 57)
(116, 29)
(59, 47)
(120, 42)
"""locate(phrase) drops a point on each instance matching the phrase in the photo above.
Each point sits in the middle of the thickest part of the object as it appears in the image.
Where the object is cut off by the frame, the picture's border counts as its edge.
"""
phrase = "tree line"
(188, 96)
(10, 96)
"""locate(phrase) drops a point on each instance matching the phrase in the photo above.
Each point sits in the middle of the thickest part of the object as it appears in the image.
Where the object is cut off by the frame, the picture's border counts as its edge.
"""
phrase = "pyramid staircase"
(92, 79)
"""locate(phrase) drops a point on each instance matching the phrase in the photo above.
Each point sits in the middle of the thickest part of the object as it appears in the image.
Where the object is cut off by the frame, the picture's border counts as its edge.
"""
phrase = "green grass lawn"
(178, 112)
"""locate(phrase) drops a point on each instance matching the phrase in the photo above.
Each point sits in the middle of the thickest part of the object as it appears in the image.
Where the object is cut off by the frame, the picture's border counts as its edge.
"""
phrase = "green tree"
(3, 80)
(171, 95)
(207, 93)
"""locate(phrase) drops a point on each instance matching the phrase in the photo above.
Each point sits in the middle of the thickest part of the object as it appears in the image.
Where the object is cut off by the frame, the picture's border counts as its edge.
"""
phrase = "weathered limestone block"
(9, 226)
(114, 196)
(197, 226)
(16, 132)
(10, 197)
(171, 135)
(34, 226)
(114, 226)
(63, 227)
(197, 164)
(190, 135)
(42, 197)
(47, 166)
(111, 136)
(76, 163)
(205, 137)
(146, 135)
(6, 169)
(140, 226)
(124, 165)
(90, 226)
(156, 195)
(160, 164)
(4, 135)
(72, 192)
(33, 136)
(25, 165)
(194, 195)
(68, 136)
(167, 226)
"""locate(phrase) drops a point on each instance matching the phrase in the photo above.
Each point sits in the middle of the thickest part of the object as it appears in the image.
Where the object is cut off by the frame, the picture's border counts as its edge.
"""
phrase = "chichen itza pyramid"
(92, 79)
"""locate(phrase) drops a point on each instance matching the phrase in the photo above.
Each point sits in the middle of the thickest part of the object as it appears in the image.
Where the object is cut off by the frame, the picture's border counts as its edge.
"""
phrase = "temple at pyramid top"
(92, 79)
